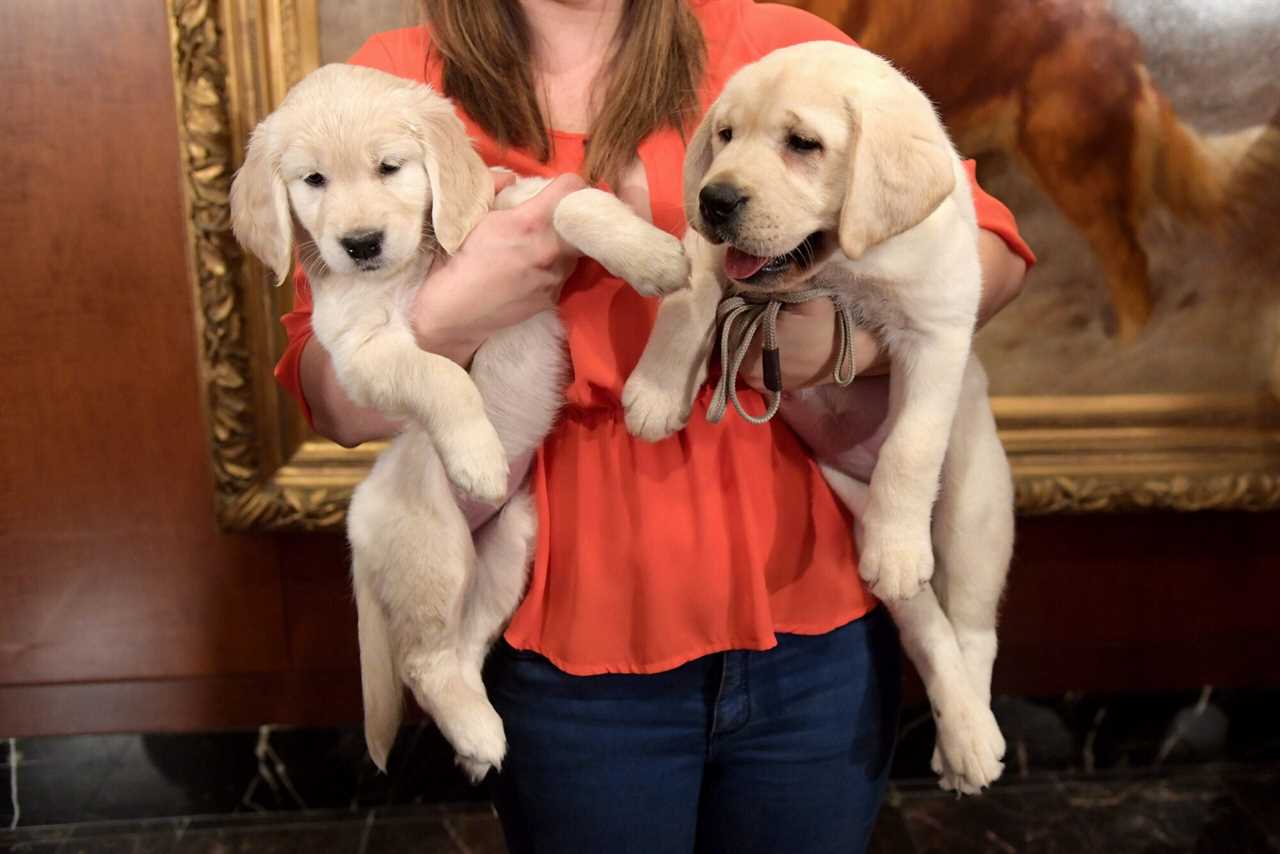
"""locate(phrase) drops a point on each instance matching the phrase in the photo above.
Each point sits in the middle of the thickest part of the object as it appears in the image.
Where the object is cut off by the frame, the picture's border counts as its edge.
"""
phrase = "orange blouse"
(651, 555)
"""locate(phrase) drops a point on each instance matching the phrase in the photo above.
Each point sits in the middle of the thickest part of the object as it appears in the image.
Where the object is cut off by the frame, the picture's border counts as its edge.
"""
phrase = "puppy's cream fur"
(886, 212)
(350, 152)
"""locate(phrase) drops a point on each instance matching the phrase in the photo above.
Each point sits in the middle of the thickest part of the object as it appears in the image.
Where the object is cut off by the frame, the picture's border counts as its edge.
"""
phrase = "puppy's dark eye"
(388, 168)
(803, 144)
(726, 134)
(315, 179)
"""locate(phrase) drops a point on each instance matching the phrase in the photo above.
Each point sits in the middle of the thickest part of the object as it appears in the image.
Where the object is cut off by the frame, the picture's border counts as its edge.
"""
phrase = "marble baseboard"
(1202, 809)
(115, 777)
(272, 770)
(1210, 809)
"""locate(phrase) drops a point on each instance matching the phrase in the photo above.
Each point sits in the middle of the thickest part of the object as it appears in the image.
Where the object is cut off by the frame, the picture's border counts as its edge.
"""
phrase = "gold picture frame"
(233, 60)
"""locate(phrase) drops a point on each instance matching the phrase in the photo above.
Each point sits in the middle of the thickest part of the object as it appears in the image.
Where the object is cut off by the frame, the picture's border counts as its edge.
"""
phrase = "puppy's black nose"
(363, 246)
(719, 203)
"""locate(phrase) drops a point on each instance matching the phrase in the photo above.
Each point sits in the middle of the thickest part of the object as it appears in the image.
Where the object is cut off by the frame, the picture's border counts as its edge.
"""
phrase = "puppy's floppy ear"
(461, 187)
(260, 214)
(697, 160)
(900, 166)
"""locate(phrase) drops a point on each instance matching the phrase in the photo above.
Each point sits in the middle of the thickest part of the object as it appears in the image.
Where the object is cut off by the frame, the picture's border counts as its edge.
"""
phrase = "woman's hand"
(808, 339)
(808, 336)
(509, 268)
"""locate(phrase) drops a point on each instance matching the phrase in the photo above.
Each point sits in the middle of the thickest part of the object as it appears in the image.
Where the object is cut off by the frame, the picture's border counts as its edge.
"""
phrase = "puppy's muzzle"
(364, 246)
(720, 204)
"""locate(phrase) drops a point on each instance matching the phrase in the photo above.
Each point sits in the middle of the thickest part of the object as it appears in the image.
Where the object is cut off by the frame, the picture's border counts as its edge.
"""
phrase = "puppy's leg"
(969, 740)
(390, 373)
(969, 743)
(658, 396)
(408, 530)
(504, 547)
(973, 528)
(428, 625)
(601, 226)
(896, 549)
(973, 534)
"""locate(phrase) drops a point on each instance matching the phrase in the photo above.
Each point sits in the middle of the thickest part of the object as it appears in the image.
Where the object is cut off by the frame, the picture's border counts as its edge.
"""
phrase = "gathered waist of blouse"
(602, 405)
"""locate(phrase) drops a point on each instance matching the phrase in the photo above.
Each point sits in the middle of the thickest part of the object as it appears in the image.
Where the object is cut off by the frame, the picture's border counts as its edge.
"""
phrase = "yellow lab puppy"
(820, 166)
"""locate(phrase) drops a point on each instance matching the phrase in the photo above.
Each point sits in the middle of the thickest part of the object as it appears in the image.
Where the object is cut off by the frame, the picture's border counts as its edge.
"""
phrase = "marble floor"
(1204, 809)
(1192, 771)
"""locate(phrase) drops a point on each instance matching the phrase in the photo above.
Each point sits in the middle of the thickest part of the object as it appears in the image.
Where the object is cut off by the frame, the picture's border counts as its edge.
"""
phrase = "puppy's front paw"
(970, 747)
(475, 461)
(654, 411)
(664, 271)
(894, 560)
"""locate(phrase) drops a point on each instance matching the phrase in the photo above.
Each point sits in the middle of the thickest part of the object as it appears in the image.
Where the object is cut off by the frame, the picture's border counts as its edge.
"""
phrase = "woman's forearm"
(1003, 272)
(334, 415)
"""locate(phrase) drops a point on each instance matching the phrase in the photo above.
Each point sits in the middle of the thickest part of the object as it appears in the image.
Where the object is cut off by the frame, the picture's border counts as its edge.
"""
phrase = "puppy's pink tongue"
(740, 265)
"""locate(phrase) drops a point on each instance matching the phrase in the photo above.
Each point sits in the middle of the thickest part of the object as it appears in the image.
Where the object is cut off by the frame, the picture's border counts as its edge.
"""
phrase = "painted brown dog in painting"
(1061, 86)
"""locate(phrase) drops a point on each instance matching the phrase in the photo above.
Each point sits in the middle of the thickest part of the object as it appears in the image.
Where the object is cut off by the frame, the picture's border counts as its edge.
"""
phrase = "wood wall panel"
(110, 564)
(1142, 602)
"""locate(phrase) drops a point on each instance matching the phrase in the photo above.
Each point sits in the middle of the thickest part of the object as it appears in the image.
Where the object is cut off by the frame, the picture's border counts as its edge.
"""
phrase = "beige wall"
(345, 24)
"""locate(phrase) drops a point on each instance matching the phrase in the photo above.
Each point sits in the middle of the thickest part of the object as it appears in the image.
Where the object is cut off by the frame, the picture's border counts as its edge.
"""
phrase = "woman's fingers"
(806, 334)
(502, 178)
(543, 205)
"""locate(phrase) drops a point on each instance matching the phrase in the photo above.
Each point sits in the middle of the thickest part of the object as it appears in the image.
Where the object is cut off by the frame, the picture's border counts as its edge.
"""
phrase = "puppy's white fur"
(353, 152)
(888, 207)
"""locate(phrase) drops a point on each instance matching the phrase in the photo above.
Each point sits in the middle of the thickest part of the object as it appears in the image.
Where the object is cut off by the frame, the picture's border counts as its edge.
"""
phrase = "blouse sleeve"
(297, 322)
(769, 26)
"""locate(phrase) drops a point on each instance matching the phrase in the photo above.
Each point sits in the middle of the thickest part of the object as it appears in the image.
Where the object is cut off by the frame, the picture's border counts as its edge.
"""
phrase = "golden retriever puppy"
(820, 166)
(375, 177)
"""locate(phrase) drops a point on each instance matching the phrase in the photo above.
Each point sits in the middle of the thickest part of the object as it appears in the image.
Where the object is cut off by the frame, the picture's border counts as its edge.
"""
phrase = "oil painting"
(1136, 141)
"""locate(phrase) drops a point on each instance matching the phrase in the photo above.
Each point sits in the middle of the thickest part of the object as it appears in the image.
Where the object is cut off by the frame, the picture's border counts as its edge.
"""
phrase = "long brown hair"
(652, 76)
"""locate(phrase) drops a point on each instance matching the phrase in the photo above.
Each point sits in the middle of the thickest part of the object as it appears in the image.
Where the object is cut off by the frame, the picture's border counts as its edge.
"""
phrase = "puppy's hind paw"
(475, 461)
(969, 751)
(653, 412)
(475, 769)
(477, 735)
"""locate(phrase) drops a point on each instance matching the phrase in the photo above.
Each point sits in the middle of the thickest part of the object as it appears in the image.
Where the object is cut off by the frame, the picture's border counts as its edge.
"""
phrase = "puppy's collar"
(743, 315)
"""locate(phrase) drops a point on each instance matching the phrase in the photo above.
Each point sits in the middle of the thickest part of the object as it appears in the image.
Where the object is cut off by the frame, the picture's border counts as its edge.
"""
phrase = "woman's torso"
(650, 555)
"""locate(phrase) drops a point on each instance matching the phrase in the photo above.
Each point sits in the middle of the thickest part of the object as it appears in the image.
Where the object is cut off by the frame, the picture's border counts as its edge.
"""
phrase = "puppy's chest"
(348, 313)
(873, 304)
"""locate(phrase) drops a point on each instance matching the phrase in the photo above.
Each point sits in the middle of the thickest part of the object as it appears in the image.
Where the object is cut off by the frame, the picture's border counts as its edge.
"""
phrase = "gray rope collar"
(740, 318)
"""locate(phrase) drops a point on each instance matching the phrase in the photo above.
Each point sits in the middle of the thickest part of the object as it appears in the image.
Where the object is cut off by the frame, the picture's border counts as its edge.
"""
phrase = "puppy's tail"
(378, 679)
(1220, 182)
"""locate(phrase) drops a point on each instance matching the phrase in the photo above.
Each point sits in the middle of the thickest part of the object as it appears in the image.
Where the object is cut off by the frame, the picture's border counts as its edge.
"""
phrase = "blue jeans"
(786, 750)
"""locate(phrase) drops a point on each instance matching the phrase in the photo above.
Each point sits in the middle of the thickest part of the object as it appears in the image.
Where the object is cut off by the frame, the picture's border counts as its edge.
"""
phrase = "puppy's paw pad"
(653, 412)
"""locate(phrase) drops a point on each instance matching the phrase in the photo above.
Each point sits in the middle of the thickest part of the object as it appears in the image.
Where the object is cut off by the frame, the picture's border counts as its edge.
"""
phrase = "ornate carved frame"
(234, 59)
